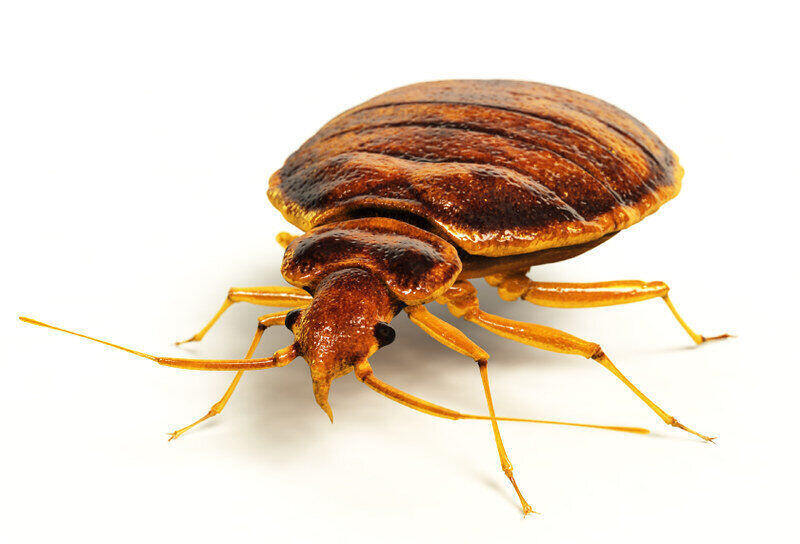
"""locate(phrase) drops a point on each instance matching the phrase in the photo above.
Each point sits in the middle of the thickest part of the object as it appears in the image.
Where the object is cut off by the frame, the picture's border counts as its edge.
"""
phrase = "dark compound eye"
(384, 333)
(291, 318)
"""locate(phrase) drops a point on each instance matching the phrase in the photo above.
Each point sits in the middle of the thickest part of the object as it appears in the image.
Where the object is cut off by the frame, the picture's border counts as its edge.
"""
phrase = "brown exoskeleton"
(407, 197)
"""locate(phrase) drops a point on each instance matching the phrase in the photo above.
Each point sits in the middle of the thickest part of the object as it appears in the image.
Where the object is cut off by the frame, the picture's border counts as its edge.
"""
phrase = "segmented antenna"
(280, 358)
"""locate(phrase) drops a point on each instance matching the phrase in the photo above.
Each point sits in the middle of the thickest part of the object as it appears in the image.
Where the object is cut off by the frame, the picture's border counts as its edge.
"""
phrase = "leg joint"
(363, 371)
(512, 286)
(672, 421)
(660, 287)
(471, 313)
(461, 302)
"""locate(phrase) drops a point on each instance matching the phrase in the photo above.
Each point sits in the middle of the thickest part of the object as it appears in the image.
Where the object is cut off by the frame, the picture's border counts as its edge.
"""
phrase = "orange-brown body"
(406, 197)
(436, 181)
(496, 167)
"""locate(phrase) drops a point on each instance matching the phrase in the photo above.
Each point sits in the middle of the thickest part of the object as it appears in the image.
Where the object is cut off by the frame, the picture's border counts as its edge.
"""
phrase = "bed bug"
(407, 197)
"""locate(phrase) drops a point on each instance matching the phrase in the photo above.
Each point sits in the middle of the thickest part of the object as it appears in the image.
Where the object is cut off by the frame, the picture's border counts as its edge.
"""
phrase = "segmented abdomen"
(498, 167)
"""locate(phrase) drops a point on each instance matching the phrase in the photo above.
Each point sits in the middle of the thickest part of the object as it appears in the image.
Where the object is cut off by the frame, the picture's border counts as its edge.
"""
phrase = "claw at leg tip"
(704, 339)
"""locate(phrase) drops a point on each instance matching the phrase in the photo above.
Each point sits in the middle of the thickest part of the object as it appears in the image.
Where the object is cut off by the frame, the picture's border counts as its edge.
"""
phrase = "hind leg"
(462, 301)
(588, 295)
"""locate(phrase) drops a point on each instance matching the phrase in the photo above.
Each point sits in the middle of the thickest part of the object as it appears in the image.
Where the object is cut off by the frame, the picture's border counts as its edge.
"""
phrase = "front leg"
(458, 341)
(462, 301)
(281, 297)
(264, 322)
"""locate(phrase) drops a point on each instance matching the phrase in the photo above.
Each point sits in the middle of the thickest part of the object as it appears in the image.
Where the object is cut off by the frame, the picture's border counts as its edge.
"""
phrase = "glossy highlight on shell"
(496, 167)
(408, 196)
(415, 265)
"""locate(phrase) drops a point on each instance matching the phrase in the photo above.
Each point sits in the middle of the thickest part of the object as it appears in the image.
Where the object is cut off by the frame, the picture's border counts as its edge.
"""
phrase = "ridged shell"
(415, 265)
(497, 167)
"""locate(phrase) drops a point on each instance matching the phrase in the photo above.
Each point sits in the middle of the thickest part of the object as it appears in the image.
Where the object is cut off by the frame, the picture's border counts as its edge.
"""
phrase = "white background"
(136, 142)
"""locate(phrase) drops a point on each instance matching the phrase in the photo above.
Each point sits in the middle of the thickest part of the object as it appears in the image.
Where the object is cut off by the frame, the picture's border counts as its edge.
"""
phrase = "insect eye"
(291, 318)
(384, 333)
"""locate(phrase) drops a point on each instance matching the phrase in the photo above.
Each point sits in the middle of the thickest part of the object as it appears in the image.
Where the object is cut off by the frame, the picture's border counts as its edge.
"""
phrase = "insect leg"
(458, 341)
(264, 322)
(505, 463)
(462, 301)
(284, 239)
(281, 297)
(588, 295)
(363, 372)
(431, 409)
(446, 334)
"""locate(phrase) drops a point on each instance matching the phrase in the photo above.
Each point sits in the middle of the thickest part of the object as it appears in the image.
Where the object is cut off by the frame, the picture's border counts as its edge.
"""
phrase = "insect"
(407, 197)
